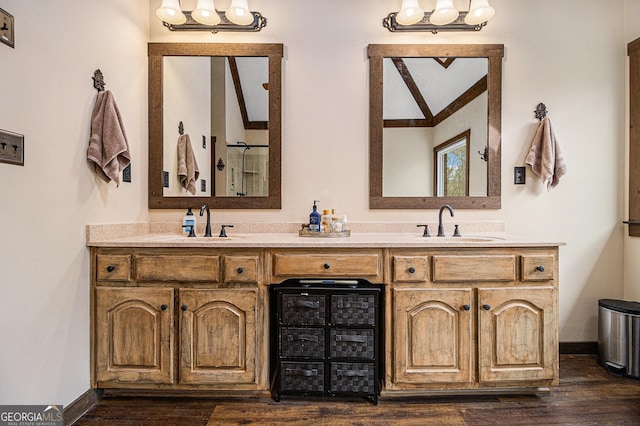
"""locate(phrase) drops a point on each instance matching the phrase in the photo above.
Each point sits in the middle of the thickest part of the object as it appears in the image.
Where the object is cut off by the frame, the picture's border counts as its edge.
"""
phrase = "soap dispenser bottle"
(314, 218)
(188, 221)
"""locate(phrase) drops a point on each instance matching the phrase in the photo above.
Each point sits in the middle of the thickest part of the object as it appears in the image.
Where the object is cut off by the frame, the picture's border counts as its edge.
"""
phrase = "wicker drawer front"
(303, 309)
(353, 377)
(352, 343)
(302, 376)
(302, 342)
(113, 267)
(353, 309)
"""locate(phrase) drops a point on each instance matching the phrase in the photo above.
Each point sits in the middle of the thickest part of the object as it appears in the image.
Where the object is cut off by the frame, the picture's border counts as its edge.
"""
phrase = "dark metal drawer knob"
(486, 307)
(240, 270)
(466, 307)
(540, 268)
(327, 266)
(164, 307)
(184, 308)
(412, 270)
(111, 268)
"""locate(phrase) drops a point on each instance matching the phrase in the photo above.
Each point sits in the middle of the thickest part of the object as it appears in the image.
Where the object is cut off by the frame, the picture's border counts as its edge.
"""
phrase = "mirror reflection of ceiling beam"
(445, 62)
(431, 121)
(470, 94)
(415, 92)
(253, 125)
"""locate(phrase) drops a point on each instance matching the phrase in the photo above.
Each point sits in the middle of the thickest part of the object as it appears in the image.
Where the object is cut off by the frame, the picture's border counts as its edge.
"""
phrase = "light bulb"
(239, 13)
(170, 12)
(205, 13)
(479, 12)
(410, 13)
(444, 13)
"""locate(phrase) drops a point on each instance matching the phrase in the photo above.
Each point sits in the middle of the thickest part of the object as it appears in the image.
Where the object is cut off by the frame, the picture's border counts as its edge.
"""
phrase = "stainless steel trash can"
(619, 337)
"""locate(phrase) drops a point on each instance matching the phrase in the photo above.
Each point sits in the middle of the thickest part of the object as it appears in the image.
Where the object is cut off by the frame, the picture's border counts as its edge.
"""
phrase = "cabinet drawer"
(113, 267)
(352, 343)
(474, 268)
(353, 377)
(327, 265)
(302, 342)
(241, 269)
(353, 309)
(302, 376)
(538, 268)
(410, 269)
(189, 268)
(303, 309)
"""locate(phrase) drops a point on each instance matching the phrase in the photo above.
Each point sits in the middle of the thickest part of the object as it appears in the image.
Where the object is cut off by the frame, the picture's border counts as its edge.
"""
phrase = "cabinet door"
(134, 335)
(517, 337)
(218, 336)
(432, 335)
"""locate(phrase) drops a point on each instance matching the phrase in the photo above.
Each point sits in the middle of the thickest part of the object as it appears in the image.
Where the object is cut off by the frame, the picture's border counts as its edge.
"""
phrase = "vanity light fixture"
(205, 17)
(445, 17)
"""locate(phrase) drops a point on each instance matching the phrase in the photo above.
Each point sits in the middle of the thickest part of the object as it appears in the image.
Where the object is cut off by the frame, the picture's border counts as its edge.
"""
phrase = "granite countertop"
(146, 235)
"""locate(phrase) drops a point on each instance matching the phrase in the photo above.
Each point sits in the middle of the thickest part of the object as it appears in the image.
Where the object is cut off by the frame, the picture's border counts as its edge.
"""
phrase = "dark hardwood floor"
(587, 395)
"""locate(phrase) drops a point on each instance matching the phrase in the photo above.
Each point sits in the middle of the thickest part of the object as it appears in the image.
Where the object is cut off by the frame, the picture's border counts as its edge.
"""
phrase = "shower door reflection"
(247, 170)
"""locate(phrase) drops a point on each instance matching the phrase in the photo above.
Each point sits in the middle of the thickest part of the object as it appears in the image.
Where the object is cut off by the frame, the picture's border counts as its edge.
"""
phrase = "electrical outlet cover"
(6, 29)
(519, 175)
(11, 148)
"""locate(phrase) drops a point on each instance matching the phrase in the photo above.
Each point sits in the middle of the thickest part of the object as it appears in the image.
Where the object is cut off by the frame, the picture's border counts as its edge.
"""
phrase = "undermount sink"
(180, 237)
(463, 239)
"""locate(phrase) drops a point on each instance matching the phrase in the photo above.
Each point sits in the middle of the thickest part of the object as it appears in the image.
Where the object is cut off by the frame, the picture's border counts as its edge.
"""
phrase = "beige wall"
(46, 94)
(631, 244)
(576, 70)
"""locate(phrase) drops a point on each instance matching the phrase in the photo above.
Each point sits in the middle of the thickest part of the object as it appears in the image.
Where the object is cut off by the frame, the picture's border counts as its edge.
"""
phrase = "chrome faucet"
(207, 231)
(440, 225)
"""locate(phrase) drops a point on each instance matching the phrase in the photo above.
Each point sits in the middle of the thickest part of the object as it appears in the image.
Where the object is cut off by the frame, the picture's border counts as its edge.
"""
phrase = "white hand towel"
(108, 145)
(188, 171)
(545, 157)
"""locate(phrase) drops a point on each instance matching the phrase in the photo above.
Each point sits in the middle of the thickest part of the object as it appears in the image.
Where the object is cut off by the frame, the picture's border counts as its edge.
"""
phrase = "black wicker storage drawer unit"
(325, 338)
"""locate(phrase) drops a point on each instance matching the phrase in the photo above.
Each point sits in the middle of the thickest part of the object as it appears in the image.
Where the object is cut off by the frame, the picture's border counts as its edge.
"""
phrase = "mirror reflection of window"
(452, 167)
(426, 101)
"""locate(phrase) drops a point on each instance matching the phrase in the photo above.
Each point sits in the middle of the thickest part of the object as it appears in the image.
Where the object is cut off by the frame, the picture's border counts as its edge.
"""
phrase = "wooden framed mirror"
(421, 96)
(227, 98)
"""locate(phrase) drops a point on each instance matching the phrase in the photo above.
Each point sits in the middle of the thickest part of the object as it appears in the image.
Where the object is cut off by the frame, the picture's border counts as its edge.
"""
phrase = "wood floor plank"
(587, 395)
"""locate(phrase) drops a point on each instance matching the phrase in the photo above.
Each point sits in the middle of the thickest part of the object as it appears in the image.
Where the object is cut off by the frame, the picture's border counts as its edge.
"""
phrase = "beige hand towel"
(108, 146)
(188, 170)
(545, 157)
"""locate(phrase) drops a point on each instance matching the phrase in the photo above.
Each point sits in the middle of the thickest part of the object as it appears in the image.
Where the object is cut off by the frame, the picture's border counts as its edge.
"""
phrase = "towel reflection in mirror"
(188, 170)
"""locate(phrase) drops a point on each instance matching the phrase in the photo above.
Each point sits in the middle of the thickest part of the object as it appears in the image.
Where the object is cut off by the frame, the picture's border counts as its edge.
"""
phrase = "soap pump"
(314, 218)
(189, 223)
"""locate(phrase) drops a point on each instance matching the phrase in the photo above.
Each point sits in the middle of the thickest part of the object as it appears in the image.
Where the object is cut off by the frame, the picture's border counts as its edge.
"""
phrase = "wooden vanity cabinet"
(483, 318)
(178, 319)
(456, 320)
(133, 336)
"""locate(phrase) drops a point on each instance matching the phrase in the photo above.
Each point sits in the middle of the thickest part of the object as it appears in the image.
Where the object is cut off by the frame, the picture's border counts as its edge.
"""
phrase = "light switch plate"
(126, 174)
(7, 34)
(519, 175)
(11, 148)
